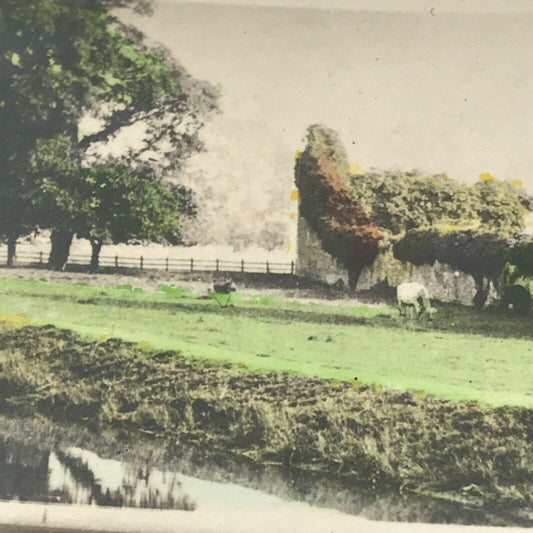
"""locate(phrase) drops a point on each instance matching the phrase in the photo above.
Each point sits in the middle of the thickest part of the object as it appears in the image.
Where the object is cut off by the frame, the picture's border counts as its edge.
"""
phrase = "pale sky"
(446, 89)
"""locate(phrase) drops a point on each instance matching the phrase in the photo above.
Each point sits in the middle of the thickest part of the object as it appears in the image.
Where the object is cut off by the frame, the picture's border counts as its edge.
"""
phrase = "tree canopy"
(346, 231)
(62, 62)
(104, 203)
(140, 6)
(401, 201)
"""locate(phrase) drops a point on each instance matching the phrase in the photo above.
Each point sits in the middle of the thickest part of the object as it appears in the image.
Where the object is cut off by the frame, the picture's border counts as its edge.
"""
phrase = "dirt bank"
(365, 441)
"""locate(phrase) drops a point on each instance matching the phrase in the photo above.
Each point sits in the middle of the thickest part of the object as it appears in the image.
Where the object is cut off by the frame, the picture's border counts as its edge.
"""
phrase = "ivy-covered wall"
(443, 282)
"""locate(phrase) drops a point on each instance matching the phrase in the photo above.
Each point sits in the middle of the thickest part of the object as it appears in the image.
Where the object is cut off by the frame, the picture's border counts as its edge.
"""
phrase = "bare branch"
(119, 119)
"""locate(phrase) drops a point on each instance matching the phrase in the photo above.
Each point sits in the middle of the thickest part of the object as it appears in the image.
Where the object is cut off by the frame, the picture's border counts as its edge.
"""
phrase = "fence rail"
(167, 264)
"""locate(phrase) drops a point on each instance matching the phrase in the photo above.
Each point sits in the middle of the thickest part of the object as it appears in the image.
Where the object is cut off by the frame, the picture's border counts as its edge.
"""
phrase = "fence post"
(242, 265)
(292, 267)
(116, 261)
(142, 262)
(216, 265)
(192, 264)
(40, 258)
(268, 268)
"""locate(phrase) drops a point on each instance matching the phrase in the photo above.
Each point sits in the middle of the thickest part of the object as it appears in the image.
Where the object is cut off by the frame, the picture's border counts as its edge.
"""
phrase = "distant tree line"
(73, 77)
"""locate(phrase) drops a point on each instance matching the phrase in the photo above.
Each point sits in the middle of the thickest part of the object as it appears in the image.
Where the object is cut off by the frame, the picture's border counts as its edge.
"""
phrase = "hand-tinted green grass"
(460, 366)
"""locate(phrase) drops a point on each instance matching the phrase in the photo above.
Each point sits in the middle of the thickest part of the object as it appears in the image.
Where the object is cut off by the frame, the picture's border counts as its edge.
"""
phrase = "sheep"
(414, 295)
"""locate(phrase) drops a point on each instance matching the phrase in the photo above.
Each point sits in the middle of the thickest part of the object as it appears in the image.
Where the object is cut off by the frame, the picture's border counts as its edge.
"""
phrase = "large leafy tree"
(61, 61)
(36, 99)
(328, 205)
(104, 203)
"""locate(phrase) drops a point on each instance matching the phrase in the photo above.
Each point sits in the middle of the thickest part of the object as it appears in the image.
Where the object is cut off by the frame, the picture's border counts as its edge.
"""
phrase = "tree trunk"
(353, 275)
(96, 246)
(482, 290)
(11, 248)
(61, 241)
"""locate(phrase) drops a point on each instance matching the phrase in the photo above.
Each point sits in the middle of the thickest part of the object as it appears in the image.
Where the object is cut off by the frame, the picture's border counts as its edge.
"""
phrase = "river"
(70, 488)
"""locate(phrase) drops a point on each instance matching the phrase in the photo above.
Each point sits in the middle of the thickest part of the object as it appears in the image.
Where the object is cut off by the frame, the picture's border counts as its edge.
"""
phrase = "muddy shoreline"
(365, 452)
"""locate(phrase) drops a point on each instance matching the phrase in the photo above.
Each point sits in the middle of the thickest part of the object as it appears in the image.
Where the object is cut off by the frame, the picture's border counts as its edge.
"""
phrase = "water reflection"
(23, 472)
(73, 475)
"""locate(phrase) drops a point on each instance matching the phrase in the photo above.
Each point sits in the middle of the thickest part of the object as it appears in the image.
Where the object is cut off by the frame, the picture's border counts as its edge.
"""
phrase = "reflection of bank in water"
(77, 476)
(23, 472)
(87, 478)
(74, 475)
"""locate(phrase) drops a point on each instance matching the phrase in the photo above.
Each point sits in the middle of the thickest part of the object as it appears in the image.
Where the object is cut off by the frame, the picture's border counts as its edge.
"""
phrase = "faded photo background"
(266, 266)
(433, 87)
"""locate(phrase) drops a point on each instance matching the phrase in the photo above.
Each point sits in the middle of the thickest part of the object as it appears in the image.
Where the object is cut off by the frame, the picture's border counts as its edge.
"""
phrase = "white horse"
(413, 295)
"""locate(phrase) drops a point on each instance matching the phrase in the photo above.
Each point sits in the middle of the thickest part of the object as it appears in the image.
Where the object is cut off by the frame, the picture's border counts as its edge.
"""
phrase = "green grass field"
(466, 354)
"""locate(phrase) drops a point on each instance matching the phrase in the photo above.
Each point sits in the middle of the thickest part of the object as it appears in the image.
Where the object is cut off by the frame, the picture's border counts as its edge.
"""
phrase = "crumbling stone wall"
(313, 261)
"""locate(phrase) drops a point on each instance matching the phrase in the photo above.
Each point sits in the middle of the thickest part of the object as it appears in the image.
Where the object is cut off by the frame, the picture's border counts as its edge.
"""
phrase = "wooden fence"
(167, 264)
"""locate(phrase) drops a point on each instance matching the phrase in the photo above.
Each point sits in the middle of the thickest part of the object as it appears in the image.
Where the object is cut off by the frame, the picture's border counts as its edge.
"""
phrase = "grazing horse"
(413, 295)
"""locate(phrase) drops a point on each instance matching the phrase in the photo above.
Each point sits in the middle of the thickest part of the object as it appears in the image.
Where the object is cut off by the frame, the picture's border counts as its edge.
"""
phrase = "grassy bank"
(379, 442)
(465, 354)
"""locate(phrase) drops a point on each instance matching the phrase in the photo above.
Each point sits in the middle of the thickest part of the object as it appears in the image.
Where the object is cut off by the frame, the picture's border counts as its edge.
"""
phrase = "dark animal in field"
(222, 293)
(224, 288)
(412, 295)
